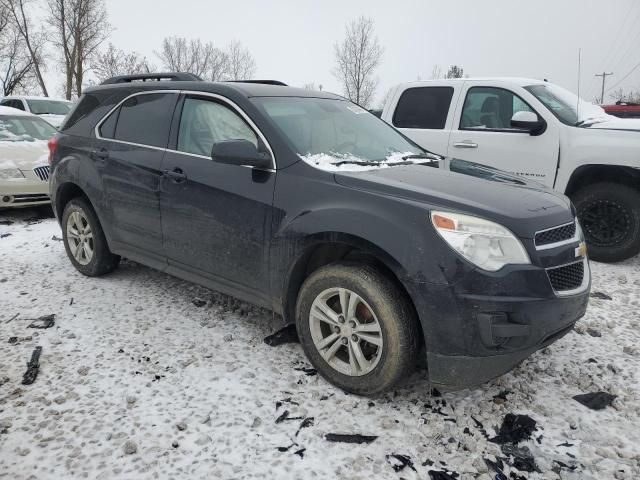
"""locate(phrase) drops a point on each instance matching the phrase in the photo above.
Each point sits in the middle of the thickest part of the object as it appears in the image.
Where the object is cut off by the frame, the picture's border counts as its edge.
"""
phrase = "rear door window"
(423, 107)
(143, 119)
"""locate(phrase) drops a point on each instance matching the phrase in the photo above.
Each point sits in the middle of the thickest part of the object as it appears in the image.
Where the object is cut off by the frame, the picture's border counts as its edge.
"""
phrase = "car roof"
(14, 112)
(245, 89)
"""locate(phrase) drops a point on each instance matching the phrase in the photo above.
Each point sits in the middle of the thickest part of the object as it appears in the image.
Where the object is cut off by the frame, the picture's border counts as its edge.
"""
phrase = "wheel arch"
(596, 173)
(330, 247)
(65, 193)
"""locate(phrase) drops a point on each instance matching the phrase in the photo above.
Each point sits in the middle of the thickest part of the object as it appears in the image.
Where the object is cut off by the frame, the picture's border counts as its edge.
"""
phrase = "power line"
(623, 78)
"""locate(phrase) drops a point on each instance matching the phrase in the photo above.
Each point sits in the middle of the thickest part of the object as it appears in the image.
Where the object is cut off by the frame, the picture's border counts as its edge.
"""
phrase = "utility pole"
(604, 76)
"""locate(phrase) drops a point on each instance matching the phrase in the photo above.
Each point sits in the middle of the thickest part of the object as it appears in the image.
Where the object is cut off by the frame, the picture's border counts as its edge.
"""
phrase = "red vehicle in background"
(623, 109)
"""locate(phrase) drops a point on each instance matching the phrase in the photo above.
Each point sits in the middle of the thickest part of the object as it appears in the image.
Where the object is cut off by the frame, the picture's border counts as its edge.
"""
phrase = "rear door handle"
(176, 175)
(466, 144)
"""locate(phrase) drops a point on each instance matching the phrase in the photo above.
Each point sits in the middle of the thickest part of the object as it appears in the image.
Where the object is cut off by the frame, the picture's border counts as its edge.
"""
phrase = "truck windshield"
(53, 107)
(337, 134)
(567, 107)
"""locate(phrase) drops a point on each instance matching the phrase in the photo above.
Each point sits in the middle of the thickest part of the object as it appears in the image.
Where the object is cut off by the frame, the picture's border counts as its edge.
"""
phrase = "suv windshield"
(24, 129)
(567, 107)
(53, 107)
(335, 134)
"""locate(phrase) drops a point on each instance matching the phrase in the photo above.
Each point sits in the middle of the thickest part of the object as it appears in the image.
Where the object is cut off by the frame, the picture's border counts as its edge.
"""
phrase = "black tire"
(102, 260)
(395, 316)
(610, 217)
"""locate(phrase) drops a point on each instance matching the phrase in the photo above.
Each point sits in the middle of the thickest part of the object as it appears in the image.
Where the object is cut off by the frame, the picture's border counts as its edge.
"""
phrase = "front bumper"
(24, 192)
(485, 325)
(536, 323)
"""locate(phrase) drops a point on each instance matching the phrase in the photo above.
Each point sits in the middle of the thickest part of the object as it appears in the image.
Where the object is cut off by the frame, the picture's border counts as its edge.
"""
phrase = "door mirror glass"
(240, 152)
(528, 121)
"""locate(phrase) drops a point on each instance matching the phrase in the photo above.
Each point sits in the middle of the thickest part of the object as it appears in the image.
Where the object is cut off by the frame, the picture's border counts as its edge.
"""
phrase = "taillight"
(53, 145)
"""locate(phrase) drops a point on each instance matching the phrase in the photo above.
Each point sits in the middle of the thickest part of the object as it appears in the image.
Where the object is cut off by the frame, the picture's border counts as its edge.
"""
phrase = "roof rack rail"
(265, 82)
(153, 77)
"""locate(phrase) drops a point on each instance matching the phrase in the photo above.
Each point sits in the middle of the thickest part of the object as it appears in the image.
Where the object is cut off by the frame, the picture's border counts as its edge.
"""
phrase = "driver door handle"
(176, 175)
(466, 144)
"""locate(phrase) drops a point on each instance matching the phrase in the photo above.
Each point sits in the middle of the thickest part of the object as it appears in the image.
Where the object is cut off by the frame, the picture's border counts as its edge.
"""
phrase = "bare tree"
(455, 72)
(620, 95)
(357, 58)
(80, 26)
(436, 72)
(16, 65)
(113, 62)
(33, 41)
(179, 54)
(242, 65)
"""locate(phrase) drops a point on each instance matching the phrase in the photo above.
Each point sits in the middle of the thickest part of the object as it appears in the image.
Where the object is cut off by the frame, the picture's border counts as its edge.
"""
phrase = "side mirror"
(240, 152)
(528, 121)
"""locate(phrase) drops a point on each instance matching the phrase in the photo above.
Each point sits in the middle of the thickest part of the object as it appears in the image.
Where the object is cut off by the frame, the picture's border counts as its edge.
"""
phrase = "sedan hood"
(23, 155)
(458, 185)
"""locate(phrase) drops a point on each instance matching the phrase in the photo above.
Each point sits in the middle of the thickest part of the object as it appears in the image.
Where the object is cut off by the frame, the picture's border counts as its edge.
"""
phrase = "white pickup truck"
(540, 131)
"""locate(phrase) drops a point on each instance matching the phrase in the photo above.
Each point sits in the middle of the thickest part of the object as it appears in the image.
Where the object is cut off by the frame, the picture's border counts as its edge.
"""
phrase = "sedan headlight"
(8, 173)
(486, 244)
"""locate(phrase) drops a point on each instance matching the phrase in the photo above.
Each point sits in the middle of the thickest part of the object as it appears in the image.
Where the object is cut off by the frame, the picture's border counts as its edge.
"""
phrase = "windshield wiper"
(422, 156)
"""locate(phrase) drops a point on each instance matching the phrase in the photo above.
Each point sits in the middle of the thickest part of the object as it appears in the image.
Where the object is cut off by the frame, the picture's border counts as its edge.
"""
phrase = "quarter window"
(489, 108)
(423, 107)
(204, 122)
(143, 119)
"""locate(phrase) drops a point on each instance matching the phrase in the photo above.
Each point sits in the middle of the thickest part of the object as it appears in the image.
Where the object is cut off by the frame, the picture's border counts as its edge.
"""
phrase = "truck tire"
(610, 217)
(84, 240)
(357, 328)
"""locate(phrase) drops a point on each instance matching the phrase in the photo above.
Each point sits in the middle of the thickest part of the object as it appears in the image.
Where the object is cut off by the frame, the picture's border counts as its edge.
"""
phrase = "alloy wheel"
(606, 223)
(80, 237)
(346, 332)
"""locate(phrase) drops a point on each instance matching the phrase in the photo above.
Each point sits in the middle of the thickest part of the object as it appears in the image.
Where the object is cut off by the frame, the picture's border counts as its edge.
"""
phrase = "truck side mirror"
(528, 121)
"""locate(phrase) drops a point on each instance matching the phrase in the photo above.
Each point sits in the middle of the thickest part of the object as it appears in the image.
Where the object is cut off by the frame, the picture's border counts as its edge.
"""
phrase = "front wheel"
(610, 217)
(357, 328)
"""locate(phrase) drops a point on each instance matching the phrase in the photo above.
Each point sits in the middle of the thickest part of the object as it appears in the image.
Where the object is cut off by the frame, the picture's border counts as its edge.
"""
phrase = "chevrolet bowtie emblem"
(581, 250)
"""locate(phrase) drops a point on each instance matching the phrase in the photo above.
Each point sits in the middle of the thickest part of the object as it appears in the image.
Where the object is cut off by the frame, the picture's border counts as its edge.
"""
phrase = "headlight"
(7, 173)
(486, 244)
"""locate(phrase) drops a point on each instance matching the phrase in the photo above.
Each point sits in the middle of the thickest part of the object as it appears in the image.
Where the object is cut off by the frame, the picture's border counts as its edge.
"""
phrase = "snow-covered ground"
(136, 381)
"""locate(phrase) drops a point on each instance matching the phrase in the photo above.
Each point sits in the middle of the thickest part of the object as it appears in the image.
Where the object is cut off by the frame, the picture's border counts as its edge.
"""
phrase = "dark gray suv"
(304, 203)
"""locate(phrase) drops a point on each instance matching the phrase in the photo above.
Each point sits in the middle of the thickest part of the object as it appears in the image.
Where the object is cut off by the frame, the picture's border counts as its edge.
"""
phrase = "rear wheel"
(610, 217)
(84, 240)
(357, 328)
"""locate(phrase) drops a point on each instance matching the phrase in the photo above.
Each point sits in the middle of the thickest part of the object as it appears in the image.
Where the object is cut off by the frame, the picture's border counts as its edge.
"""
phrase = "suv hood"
(521, 205)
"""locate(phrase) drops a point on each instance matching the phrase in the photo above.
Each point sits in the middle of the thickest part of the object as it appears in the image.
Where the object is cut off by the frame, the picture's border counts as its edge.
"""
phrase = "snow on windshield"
(337, 162)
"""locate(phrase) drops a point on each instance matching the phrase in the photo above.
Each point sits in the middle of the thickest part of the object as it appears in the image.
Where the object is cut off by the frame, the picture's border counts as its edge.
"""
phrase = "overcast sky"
(292, 40)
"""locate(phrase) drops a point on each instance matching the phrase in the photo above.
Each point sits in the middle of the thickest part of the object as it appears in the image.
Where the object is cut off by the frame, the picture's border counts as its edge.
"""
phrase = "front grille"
(42, 173)
(567, 277)
(555, 235)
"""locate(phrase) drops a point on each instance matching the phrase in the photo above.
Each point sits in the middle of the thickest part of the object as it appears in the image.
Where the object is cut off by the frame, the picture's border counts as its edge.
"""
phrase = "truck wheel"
(84, 240)
(357, 328)
(610, 217)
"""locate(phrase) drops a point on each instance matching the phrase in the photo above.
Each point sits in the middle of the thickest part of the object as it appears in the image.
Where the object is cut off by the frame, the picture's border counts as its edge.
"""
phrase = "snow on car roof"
(522, 81)
(34, 97)
(14, 112)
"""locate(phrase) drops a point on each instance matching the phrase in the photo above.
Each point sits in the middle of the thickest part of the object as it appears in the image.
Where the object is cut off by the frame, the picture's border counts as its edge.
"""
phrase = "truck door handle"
(176, 175)
(466, 144)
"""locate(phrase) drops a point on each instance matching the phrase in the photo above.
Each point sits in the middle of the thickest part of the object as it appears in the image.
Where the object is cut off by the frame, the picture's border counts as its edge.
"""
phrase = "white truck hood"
(614, 123)
(23, 155)
(55, 120)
